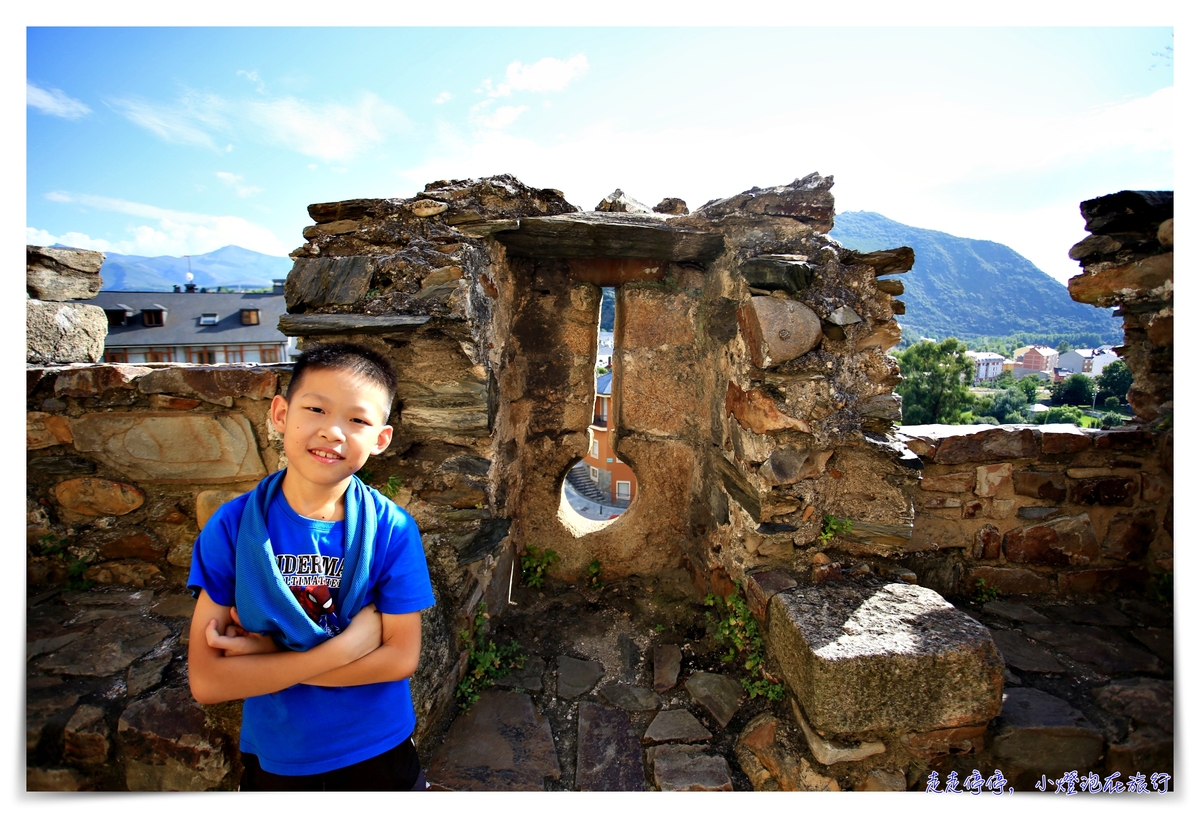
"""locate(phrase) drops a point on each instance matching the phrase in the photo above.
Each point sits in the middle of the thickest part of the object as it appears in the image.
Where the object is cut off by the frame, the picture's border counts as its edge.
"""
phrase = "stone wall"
(1041, 510)
(752, 397)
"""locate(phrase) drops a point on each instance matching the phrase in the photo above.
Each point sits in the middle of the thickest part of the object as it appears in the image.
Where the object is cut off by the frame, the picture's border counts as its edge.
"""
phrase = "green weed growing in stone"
(485, 661)
(736, 629)
(985, 593)
(51, 546)
(593, 575)
(1162, 587)
(392, 487)
(76, 580)
(534, 564)
(832, 526)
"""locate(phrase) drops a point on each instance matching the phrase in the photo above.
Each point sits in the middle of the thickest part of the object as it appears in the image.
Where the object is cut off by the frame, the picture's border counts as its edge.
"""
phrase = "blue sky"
(174, 140)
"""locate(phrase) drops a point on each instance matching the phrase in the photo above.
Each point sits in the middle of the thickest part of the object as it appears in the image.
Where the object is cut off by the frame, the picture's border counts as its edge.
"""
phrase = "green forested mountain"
(968, 288)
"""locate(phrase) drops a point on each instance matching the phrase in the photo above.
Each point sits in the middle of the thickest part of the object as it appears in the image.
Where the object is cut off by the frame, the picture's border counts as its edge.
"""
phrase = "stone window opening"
(598, 489)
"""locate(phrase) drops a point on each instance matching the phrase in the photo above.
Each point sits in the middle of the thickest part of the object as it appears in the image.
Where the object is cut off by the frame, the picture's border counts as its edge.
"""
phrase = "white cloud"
(547, 74)
(234, 181)
(482, 116)
(187, 122)
(445, 96)
(990, 163)
(54, 102)
(253, 77)
(328, 131)
(171, 232)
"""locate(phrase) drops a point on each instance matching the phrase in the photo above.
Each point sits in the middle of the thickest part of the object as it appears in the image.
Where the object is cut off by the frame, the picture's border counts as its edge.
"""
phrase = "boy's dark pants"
(392, 770)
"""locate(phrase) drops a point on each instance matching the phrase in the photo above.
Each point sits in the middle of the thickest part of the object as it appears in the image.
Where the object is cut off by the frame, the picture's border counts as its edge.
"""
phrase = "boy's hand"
(238, 642)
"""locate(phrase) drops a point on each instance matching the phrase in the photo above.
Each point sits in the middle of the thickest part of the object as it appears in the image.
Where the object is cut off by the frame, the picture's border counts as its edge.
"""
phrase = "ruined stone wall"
(125, 464)
(1054, 509)
(1046, 510)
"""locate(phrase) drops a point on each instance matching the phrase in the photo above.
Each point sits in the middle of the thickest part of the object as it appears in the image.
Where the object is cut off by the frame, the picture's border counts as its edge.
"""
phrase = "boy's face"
(333, 423)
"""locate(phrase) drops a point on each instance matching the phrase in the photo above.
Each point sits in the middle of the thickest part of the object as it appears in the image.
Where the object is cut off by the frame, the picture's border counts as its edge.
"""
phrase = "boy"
(316, 561)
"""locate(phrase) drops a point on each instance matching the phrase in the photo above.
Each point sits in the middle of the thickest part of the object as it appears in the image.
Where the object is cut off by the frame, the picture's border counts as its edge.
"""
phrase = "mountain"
(969, 288)
(233, 267)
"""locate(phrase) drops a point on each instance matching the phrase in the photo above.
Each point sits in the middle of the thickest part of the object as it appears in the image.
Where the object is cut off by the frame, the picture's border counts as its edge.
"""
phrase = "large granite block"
(873, 657)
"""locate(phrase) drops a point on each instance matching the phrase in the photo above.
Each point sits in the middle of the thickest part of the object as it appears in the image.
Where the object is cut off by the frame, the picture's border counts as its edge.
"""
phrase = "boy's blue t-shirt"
(307, 729)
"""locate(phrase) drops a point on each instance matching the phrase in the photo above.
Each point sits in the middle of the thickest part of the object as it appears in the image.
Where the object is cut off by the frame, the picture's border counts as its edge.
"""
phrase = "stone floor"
(622, 690)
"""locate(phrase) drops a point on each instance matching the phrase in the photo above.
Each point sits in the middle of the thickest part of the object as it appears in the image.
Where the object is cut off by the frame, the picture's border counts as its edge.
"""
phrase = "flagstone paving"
(623, 689)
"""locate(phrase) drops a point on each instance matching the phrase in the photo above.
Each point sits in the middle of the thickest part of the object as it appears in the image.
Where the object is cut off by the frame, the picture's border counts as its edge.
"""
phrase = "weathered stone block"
(1105, 491)
(1126, 440)
(43, 430)
(1154, 487)
(756, 411)
(1044, 485)
(883, 657)
(952, 483)
(62, 273)
(500, 744)
(90, 381)
(1064, 438)
(97, 497)
(717, 693)
(609, 756)
(172, 448)
(1008, 581)
(60, 333)
(124, 544)
(885, 262)
(687, 768)
(675, 726)
(777, 330)
(667, 659)
(761, 586)
(955, 740)
(1065, 541)
(788, 465)
(1043, 733)
(987, 543)
(85, 738)
(1107, 284)
(114, 645)
(789, 273)
(994, 480)
(807, 200)
(1102, 580)
(985, 443)
(168, 745)
(1130, 535)
(832, 752)
(217, 385)
(208, 501)
(322, 282)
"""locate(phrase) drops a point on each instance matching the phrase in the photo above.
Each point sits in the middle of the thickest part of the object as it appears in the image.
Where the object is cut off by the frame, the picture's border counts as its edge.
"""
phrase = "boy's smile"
(333, 423)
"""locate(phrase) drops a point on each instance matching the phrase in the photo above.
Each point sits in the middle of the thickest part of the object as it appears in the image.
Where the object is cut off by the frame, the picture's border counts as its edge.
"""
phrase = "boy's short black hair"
(353, 358)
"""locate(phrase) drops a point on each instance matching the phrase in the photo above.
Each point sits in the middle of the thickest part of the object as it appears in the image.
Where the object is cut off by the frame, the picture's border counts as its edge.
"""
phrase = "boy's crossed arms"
(225, 662)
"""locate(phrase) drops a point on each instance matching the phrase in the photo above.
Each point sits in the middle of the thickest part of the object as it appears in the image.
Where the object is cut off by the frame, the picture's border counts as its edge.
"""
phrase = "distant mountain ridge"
(968, 287)
(231, 266)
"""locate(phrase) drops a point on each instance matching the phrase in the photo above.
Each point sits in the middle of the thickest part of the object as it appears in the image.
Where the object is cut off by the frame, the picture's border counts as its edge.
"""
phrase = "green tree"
(1112, 403)
(936, 375)
(1063, 346)
(1062, 414)
(1077, 390)
(1112, 419)
(1115, 380)
(1010, 401)
(1030, 385)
